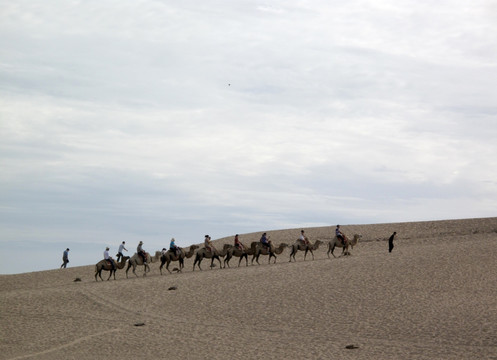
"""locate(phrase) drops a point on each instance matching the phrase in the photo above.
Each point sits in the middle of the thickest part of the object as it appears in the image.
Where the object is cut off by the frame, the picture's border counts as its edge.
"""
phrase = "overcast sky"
(146, 120)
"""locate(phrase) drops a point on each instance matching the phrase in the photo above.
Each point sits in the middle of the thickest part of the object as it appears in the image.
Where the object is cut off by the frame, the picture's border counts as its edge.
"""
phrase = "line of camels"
(229, 251)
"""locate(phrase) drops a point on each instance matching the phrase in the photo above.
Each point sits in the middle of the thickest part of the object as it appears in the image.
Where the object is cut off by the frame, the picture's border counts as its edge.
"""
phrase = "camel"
(338, 243)
(242, 254)
(171, 256)
(300, 245)
(204, 253)
(262, 250)
(136, 260)
(104, 265)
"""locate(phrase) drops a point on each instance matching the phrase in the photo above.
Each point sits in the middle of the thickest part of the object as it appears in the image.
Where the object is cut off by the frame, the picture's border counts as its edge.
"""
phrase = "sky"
(146, 120)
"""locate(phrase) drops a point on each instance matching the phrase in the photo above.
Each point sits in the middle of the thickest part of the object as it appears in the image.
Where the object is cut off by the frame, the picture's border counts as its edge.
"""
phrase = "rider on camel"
(341, 236)
(109, 259)
(173, 247)
(141, 252)
(120, 251)
(265, 242)
(238, 244)
(304, 238)
(208, 244)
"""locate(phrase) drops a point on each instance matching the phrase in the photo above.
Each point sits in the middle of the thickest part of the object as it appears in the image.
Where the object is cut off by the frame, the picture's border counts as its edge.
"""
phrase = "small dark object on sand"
(139, 324)
(77, 279)
(173, 288)
(352, 347)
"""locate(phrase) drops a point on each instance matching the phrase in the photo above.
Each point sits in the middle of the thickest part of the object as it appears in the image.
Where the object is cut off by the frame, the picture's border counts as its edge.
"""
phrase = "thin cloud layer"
(153, 120)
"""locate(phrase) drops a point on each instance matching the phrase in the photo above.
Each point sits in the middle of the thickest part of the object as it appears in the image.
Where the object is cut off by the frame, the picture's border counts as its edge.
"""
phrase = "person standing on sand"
(120, 251)
(390, 242)
(65, 258)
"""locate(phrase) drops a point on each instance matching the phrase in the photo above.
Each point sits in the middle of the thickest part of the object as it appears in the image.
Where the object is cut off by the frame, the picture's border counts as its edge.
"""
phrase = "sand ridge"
(433, 297)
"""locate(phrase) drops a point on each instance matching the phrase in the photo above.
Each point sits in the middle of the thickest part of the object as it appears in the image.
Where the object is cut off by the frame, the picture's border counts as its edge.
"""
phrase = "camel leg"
(167, 266)
(197, 261)
(332, 250)
(110, 274)
(146, 270)
(129, 265)
(99, 273)
(218, 259)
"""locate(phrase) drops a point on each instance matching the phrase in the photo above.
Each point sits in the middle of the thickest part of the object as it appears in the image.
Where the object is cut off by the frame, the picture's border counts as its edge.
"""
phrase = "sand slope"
(433, 297)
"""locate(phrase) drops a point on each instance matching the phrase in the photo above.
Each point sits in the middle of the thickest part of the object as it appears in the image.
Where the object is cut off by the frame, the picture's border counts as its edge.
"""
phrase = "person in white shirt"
(303, 238)
(120, 251)
(141, 253)
(109, 259)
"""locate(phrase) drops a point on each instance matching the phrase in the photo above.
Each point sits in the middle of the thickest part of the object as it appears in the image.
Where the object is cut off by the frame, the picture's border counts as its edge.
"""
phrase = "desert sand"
(433, 297)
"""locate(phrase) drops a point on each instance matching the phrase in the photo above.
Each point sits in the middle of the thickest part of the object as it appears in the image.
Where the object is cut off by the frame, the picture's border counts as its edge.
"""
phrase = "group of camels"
(229, 251)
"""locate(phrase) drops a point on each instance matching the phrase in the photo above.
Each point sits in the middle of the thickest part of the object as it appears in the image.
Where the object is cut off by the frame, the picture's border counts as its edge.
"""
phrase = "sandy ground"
(433, 297)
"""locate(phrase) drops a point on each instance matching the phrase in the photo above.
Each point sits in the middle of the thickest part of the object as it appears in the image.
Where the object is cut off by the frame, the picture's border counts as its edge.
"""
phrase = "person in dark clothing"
(65, 258)
(265, 241)
(390, 242)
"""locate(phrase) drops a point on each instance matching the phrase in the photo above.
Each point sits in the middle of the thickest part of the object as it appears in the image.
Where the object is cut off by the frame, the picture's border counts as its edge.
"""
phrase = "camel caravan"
(263, 247)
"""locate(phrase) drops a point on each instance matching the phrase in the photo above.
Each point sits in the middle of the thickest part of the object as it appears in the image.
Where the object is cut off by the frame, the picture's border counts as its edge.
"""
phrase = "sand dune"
(433, 297)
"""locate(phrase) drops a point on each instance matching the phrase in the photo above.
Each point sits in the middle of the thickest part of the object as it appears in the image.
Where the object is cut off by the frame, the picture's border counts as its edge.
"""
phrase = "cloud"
(158, 119)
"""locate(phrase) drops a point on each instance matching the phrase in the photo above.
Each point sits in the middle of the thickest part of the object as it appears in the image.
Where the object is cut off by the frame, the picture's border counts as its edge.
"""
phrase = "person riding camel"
(304, 238)
(341, 236)
(141, 252)
(173, 247)
(238, 244)
(120, 251)
(109, 259)
(265, 242)
(208, 244)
